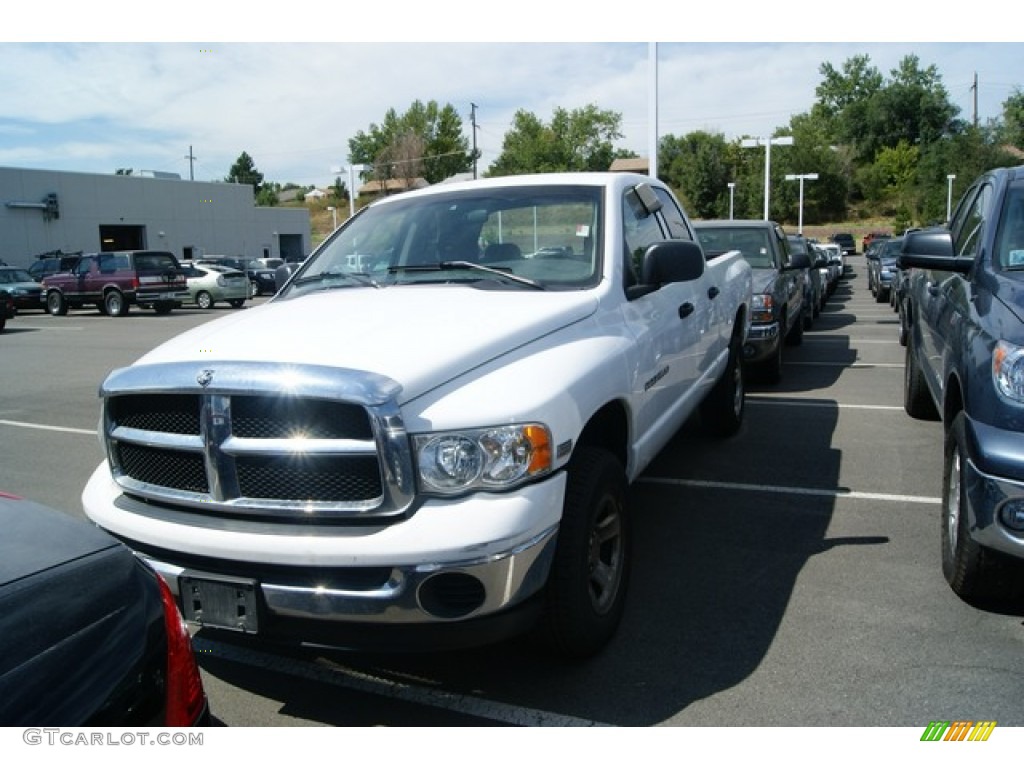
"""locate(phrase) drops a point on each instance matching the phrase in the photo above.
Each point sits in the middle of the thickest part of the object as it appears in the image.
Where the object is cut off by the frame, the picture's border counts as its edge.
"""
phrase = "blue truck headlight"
(1011, 514)
(493, 458)
(762, 308)
(1008, 370)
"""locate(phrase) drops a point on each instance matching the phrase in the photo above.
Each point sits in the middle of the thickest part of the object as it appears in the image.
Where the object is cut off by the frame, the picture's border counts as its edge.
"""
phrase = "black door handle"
(685, 310)
(713, 292)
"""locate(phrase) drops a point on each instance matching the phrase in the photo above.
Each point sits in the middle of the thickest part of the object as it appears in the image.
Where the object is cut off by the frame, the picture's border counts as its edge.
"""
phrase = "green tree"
(868, 112)
(339, 189)
(825, 198)
(913, 107)
(699, 166)
(1012, 129)
(244, 172)
(577, 140)
(444, 151)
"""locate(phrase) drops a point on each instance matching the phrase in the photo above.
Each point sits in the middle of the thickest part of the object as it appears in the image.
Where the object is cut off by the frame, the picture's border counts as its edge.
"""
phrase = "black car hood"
(81, 624)
(761, 279)
(1010, 290)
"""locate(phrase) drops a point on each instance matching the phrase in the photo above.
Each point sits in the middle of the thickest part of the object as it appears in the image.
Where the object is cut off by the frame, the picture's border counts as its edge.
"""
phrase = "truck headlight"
(762, 308)
(1008, 370)
(494, 458)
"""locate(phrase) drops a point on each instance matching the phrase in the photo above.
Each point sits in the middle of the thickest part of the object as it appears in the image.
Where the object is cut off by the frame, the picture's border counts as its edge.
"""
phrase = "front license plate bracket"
(219, 602)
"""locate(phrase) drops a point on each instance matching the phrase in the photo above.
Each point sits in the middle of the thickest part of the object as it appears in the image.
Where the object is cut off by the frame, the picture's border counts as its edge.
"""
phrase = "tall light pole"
(949, 195)
(353, 169)
(767, 142)
(800, 177)
(732, 195)
(334, 214)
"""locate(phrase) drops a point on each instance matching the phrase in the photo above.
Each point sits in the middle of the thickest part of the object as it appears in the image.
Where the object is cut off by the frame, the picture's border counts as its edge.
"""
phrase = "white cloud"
(295, 106)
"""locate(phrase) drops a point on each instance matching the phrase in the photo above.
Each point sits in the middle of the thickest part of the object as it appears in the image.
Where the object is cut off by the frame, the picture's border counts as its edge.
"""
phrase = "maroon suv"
(114, 281)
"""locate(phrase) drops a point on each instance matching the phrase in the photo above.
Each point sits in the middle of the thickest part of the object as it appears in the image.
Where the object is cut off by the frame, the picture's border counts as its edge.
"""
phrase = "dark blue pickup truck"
(965, 364)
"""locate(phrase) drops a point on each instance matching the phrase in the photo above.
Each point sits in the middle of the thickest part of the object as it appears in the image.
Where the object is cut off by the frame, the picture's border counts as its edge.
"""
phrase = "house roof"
(630, 164)
(391, 186)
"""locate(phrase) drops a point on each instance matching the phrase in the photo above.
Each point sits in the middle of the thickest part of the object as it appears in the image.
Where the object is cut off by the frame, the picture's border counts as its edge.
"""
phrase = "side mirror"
(932, 249)
(799, 261)
(671, 261)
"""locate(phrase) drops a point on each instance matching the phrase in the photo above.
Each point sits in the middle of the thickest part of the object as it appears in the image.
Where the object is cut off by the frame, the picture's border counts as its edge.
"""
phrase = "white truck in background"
(433, 448)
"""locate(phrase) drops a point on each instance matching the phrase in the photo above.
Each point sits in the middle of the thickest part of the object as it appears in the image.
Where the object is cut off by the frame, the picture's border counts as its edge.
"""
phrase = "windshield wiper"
(362, 278)
(443, 266)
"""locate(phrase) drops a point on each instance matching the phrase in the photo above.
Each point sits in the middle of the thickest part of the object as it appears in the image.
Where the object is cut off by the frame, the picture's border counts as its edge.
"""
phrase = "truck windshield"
(535, 236)
(1010, 239)
(752, 243)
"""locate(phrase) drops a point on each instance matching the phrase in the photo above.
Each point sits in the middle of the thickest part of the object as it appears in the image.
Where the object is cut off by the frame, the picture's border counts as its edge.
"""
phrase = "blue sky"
(293, 105)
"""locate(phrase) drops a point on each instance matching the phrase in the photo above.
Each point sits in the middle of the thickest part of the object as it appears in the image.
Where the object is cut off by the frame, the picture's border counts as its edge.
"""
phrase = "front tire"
(114, 303)
(772, 369)
(721, 413)
(795, 337)
(56, 304)
(917, 400)
(204, 300)
(973, 572)
(586, 591)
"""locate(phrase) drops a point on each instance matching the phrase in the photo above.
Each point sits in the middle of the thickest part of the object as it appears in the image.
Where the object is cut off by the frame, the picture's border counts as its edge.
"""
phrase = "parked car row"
(882, 269)
(961, 304)
(116, 281)
(212, 283)
(25, 292)
(6, 308)
(260, 272)
(792, 279)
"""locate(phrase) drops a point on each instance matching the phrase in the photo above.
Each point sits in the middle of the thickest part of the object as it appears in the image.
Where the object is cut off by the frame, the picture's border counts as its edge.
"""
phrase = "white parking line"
(825, 492)
(47, 427)
(838, 364)
(23, 327)
(852, 343)
(363, 683)
(811, 403)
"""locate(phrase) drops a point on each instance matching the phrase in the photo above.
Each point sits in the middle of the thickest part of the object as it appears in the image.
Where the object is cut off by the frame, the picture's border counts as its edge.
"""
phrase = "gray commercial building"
(43, 212)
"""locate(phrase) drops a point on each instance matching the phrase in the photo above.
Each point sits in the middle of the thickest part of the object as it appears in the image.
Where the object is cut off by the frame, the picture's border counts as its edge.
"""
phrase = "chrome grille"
(310, 478)
(174, 469)
(178, 414)
(282, 442)
(270, 417)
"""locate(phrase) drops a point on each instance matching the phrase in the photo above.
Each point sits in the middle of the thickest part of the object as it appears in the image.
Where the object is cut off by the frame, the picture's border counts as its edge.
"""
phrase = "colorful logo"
(958, 730)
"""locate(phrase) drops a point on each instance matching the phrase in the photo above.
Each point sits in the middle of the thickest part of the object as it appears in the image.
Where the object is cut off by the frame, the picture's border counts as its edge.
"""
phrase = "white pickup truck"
(429, 444)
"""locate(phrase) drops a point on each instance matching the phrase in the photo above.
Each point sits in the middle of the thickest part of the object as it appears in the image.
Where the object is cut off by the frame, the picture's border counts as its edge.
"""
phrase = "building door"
(122, 237)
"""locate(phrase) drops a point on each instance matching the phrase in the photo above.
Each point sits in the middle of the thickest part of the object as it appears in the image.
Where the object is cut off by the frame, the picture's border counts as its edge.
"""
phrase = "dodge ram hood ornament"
(205, 377)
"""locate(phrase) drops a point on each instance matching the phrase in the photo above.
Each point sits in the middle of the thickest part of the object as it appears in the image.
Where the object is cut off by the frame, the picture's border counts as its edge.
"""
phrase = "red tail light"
(185, 697)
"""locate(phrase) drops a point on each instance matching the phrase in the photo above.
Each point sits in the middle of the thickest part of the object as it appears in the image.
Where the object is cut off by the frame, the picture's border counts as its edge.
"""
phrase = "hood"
(1009, 289)
(761, 279)
(419, 336)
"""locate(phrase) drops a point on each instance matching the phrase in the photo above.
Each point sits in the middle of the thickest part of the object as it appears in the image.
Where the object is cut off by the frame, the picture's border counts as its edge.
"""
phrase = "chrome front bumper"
(426, 593)
(762, 341)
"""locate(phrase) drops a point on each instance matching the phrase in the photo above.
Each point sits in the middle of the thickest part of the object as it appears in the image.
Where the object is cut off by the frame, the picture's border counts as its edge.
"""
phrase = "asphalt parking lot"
(787, 577)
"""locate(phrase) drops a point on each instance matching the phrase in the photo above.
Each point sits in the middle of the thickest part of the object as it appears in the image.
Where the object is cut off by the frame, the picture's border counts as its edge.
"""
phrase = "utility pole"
(472, 120)
(801, 177)
(975, 89)
(652, 110)
(190, 157)
(767, 142)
